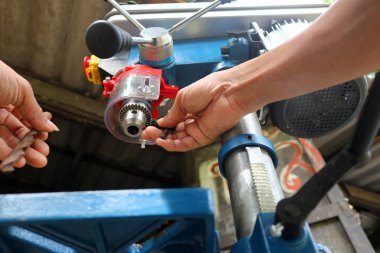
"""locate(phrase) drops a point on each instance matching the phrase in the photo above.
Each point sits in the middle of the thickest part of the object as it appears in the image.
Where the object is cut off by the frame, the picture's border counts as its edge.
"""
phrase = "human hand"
(19, 111)
(201, 113)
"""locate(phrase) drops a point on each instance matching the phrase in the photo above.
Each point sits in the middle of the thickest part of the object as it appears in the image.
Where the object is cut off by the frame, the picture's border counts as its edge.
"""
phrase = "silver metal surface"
(141, 40)
(282, 32)
(248, 194)
(261, 180)
(133, 123)
(234, 16)
(162, 47)
(195, 16)
(126, 15)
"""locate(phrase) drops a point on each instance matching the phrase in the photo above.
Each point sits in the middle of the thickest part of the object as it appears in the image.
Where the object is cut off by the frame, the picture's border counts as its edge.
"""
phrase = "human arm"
(20, 111)
(341, 45)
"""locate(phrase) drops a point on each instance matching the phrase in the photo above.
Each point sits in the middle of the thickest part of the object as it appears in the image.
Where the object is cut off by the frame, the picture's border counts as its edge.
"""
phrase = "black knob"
(104, 39)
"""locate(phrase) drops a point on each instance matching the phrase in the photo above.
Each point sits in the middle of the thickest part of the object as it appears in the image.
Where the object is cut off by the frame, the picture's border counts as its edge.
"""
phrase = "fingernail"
(55, 128)
(48, 115)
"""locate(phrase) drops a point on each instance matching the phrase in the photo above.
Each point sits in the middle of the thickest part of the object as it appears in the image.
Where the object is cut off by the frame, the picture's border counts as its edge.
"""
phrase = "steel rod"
(142, 40)
(128, 16)
(195, 16)
(245, 190)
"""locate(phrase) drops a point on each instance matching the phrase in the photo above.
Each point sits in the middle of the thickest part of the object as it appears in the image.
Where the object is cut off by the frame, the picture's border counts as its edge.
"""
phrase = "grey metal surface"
(161, 49)
(368, 176)
(215, 23)
(194, 17)
(141, 40)
(246, 191)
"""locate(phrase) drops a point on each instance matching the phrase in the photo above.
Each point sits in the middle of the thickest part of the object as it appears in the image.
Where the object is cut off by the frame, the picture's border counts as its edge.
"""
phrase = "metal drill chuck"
(134, 117)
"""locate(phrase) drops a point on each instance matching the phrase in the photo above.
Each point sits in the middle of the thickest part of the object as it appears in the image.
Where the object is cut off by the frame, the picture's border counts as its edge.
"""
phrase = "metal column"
(252, 179)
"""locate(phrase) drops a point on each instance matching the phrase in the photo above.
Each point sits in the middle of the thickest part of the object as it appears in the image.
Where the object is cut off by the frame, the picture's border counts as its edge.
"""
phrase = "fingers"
(11, 131)
(176, 114)
(17, 91)
(186, 137)
(9, 121)
(32, 112)
(190, 100)
(36, 156)
(179, 141)
(43, 136)
(151, 133)
(178, 145)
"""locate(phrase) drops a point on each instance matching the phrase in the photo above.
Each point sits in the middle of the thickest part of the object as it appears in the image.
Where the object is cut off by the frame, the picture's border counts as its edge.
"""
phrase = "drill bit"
(19, 150)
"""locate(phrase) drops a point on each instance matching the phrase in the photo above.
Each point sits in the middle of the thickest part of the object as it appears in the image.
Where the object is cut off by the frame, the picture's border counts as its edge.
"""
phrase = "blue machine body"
(194, 59)
(262, 241)
(133, 221)
(245, 140)
(139, 221)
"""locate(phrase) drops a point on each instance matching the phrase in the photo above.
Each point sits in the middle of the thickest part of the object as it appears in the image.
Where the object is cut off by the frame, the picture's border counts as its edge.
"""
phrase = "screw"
(143, 144)
(276, 230)
(323, 249)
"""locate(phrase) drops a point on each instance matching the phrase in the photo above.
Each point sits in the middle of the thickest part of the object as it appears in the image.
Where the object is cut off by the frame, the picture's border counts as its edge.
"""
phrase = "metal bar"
(368, 123)
(233, 6)
(193, 17)
(243, 187)
(128, 16)
(142, 40)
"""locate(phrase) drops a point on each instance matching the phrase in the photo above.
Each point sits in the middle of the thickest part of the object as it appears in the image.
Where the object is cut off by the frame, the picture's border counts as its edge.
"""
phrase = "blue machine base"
(262, 241)
(133, 221)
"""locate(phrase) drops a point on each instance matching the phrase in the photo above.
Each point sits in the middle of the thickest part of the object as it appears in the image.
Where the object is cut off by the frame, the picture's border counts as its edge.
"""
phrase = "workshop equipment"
(135, 91)
(246, 159)
(317, 113)
(136, 79)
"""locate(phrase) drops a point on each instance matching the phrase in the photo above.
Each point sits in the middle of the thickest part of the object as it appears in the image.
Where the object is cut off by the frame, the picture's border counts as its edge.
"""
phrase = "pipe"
(251, 178)
(193, 17)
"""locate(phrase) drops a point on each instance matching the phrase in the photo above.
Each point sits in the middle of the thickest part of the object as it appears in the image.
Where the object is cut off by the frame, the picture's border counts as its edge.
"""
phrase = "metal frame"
(231, 16)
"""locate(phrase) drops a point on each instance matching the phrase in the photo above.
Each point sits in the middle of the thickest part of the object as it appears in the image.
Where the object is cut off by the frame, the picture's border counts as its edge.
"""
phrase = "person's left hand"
(13, 127)
(19, 111)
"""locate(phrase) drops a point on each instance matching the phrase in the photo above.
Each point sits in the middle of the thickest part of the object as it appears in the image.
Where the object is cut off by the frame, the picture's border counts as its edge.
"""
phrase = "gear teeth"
(134, 106)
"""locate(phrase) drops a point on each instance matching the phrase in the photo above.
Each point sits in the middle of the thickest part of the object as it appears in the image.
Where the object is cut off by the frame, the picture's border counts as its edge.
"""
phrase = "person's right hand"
(201, 113)
(19, 111)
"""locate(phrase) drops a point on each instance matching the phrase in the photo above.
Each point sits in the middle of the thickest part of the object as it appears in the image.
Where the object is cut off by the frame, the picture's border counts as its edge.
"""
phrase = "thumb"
(15, 90)
(30, 110)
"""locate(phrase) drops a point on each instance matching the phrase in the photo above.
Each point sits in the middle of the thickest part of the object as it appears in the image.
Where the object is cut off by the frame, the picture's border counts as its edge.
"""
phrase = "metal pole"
(142, 40)
(252, 179)
(196, 15)
(128, 16)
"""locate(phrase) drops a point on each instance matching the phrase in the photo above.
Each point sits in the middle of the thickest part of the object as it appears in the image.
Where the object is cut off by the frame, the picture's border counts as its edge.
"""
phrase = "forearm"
(341, 45)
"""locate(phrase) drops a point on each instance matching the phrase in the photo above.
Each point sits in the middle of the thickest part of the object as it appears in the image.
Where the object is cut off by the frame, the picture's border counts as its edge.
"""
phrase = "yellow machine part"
(92, 70)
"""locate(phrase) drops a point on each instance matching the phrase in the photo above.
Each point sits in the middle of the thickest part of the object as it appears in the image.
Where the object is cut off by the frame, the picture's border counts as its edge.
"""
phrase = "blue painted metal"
(262, 241)
(242, 141)
(238, 49)
(194, 59)
(158, 64)
(135, 221)
(323, 249)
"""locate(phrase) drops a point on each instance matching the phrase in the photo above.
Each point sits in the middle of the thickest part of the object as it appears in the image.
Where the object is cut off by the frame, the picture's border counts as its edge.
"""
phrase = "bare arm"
(341, 45)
